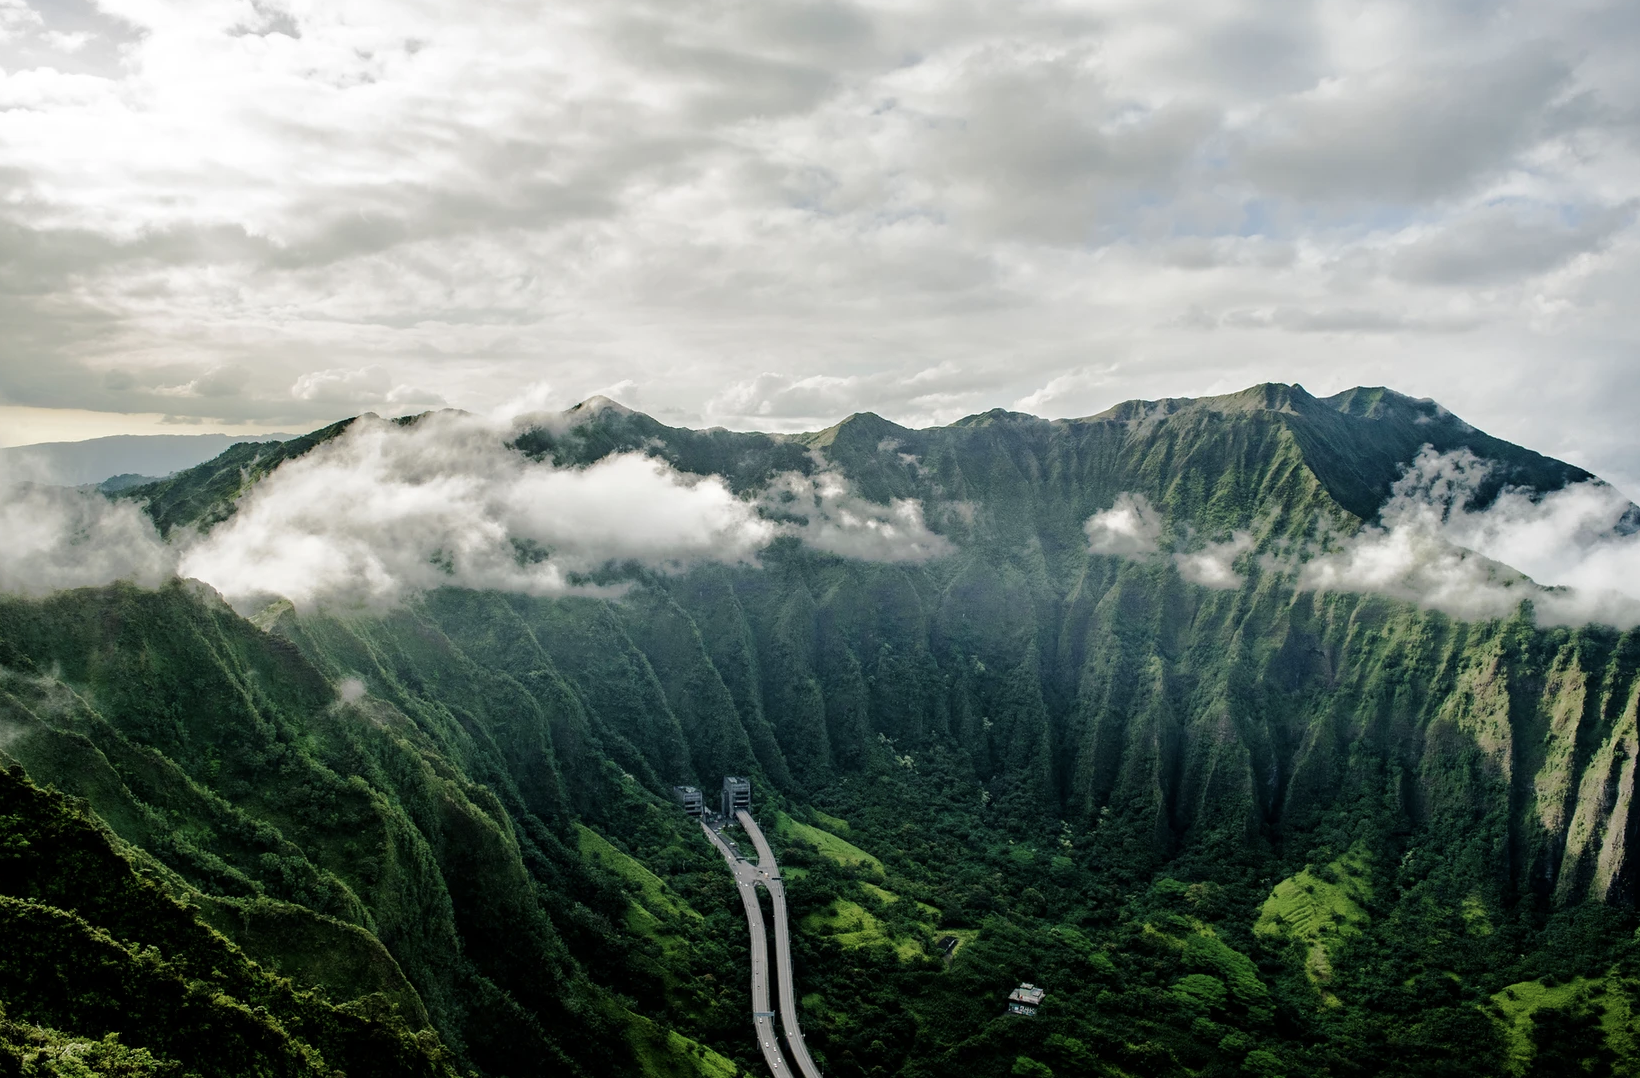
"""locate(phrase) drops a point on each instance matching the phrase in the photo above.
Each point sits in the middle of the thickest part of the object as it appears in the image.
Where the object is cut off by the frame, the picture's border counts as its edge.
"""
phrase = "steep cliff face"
(397, 803)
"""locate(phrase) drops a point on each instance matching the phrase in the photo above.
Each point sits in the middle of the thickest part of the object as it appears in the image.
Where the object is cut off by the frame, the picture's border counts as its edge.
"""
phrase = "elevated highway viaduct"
(747, 878)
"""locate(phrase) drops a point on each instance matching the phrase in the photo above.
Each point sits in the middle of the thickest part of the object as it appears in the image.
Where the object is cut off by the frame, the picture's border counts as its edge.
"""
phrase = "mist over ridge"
(369, 511)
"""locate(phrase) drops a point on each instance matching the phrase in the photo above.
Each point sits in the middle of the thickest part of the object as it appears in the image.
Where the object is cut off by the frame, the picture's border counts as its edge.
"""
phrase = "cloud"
(388, 509)
(53, 538)
(1574, 552)
(826, 513)
(1132, 528)
(67, 41)
(1211, 566)
(16, 17)
(1078, 382)
(1501, 242)
(341, 386)
(702, 197)
(350, 388)
(1404, 133)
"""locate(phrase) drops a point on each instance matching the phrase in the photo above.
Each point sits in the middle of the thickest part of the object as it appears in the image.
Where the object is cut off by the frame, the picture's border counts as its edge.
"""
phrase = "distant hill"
(97, 459)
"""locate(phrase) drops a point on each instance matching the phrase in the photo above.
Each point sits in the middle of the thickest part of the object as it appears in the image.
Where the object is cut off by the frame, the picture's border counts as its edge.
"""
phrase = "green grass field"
(852, 925)
(838, 849)
(656, 898)
(1611, 995)
(1312, 909)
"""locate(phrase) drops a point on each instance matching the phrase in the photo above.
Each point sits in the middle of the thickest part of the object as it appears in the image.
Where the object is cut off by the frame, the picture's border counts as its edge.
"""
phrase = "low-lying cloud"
(1573, 552)
(1133, 528)
(53, 538)
(831, 517)
(389, 509)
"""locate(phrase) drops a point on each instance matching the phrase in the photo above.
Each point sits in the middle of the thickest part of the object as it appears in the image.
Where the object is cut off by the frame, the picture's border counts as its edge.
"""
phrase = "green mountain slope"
(1231, 831)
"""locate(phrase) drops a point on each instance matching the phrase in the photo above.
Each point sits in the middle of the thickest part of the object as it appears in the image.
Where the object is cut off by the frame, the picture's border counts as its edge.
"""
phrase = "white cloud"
(16, 17)
(67, 41)
(1130, 528)
(341, 385)
(1212, 565)
(385, 510)
(1133, 528)
(1433, 549)
(835, 519)
(54, 537)
(388, 509)
(1077, 384)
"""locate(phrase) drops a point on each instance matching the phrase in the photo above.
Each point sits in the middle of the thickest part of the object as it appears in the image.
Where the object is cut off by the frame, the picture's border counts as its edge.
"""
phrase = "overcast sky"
(267, 215)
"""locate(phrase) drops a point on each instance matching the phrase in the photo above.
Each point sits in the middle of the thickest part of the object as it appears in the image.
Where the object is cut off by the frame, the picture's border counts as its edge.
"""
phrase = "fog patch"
(1573, 552)
(53, 538)
(826, 513)
(1211, 566)
(1132, 528)
(387, 509)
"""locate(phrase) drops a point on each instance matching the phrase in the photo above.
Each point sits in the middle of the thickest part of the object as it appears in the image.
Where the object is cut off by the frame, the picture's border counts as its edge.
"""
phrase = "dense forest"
(1231, 824)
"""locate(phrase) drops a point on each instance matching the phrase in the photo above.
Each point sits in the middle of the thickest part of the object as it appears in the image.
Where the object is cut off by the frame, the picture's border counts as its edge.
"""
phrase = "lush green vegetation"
(1230, 832)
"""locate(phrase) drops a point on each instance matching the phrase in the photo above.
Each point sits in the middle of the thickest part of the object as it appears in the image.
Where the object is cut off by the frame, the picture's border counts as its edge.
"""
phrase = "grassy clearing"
(1312, 909)
(835, 824)
(1610, 995)
(838, 849)
(666, 1053)
(880, 893)
(658, 899)
(852, 925)
(1475, 916)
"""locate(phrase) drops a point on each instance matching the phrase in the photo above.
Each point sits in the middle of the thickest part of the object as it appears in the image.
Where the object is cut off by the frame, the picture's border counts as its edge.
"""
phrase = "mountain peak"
(996, 415)
(858, 429)
(598, 403)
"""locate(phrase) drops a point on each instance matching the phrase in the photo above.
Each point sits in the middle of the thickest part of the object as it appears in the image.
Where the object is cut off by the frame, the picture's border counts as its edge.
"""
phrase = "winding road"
(747, 877)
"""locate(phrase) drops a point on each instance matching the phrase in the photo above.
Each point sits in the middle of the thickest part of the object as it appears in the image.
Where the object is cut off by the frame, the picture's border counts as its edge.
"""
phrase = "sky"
(253, 216)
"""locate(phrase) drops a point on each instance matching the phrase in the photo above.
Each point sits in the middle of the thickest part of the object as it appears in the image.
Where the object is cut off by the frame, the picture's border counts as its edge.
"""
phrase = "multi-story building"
(737, 795)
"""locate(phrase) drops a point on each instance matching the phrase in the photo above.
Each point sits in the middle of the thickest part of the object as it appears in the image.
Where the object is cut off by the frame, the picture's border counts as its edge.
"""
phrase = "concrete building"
(1025, 1000)
(737, 795)
(692, 800)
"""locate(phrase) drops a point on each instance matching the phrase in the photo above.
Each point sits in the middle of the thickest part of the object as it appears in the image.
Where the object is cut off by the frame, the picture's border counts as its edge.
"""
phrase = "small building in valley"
(1025, 1000)
(737, 795)
(692, 800)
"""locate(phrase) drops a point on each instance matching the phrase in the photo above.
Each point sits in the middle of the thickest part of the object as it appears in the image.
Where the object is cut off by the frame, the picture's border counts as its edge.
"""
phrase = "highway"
(747, 877)
(782, 948)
